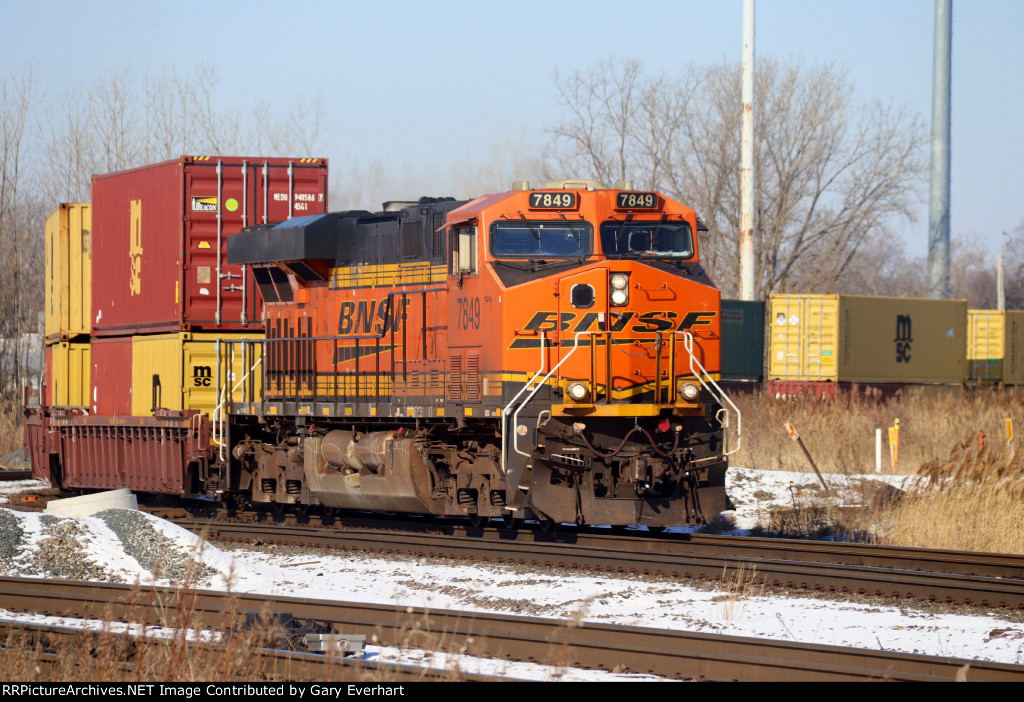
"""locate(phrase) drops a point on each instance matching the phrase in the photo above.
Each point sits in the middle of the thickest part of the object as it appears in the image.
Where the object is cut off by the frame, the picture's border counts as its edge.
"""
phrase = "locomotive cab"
(600, 334)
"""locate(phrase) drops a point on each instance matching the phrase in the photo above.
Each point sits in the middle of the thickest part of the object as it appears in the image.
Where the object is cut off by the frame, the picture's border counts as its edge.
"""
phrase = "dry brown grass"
(163, 649)
(740, 585)
(973, 501)
(840, 433)
(12, 426)
(964, 497)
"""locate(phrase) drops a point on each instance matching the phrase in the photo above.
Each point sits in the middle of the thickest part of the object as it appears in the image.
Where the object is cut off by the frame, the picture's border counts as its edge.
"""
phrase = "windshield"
(541, 239)
(647, 238)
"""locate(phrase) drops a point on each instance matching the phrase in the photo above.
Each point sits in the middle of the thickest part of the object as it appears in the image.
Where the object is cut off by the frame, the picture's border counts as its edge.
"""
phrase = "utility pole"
(747, 158)
(938, 210)
(1000, 280)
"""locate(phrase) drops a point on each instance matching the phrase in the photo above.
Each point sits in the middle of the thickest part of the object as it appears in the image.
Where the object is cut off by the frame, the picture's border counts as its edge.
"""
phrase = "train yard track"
(992, 580)
(951, 577)
(48, 642)
(667, 653)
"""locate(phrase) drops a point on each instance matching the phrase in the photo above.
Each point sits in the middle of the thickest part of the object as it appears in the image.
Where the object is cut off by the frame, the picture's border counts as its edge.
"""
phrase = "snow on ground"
(628, 600)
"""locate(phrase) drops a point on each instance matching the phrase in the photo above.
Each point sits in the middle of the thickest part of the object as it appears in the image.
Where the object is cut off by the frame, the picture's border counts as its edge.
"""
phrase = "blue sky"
(423, 86)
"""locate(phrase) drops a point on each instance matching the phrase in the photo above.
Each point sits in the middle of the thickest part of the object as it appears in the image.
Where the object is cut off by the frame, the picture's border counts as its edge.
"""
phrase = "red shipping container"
(160, 239)
(111, 377)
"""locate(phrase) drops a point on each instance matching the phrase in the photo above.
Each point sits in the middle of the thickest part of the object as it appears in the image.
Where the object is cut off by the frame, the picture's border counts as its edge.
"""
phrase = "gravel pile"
(61, 554)
(11, 538)
(154, 551)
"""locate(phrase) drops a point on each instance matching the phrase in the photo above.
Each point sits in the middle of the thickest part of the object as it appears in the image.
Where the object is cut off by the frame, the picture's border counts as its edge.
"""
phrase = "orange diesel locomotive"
(546, 354)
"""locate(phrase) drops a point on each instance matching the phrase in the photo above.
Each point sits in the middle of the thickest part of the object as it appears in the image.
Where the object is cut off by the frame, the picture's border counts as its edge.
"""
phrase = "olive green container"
(853, 338)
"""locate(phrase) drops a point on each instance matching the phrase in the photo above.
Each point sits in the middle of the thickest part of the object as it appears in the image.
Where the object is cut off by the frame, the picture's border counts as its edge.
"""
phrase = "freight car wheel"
(547, 525)
(476, 521)
(510, 523)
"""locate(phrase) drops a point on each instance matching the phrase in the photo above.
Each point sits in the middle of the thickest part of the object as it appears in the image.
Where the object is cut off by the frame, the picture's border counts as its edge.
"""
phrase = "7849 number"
(469, 312)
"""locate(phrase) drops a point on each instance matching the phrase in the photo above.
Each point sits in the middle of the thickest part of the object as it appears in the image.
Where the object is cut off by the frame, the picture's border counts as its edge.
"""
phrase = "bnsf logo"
(371, 316)
(202, 376)
(647, 322)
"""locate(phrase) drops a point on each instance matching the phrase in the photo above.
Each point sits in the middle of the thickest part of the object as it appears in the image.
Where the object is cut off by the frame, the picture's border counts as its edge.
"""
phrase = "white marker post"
(878, 449)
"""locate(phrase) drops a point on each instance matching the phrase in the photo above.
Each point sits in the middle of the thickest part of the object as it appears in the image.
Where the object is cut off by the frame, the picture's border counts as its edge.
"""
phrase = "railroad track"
(992, 565)
(994, 580)
(49, 642)
(667, 653)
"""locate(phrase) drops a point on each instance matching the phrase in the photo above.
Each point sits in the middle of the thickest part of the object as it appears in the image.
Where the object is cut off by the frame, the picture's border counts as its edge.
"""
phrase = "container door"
(786, 341)
(986, 341)
(804, 330)
(820, 331)
(219, 204)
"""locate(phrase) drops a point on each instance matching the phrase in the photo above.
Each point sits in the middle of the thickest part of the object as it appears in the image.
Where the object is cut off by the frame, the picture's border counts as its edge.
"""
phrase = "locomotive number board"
(553, 201)
(636, 201)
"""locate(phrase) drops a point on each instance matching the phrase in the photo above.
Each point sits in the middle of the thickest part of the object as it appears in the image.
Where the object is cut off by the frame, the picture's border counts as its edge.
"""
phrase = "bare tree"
(1013, 274)
(20, 276)
(121, 121)
(831, 177)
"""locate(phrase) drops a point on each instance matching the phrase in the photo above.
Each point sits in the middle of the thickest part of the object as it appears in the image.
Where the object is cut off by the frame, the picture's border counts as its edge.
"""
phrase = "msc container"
(111, 376)
(742, 340)
(68, 368)
(851, 338)
(181, 371)
(68, 272)
(160, 240)
(995, 346)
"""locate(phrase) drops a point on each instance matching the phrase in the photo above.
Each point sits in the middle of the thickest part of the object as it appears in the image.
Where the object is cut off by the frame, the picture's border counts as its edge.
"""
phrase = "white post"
(878, 450)
(747, 158)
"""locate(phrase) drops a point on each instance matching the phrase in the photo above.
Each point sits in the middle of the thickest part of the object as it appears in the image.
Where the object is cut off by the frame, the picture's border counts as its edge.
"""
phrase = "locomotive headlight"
(619, 283)
(578, 391)
(689, 391)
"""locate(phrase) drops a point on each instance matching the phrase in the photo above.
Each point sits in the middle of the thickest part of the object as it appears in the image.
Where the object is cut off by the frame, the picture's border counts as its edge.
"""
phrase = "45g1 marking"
(469, 312)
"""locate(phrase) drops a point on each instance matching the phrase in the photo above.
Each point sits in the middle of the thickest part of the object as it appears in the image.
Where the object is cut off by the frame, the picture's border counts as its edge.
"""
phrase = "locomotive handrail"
(218, 411)
(505, 411)
(515, 415)
(709, 382)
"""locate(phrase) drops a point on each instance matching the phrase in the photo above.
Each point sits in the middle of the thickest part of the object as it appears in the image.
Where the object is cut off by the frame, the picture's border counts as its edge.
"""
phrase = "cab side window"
(464, 250)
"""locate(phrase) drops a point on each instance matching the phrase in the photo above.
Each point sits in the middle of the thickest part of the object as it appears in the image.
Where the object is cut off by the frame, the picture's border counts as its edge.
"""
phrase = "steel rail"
(280, 664)
(993, 565)
(899, 583)
(667, 653)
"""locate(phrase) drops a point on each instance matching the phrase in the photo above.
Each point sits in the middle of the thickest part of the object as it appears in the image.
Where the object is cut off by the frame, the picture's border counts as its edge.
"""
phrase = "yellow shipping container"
(69, 373)
(995, 346)
(853, 338)
(68, 274)
(180, 371)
